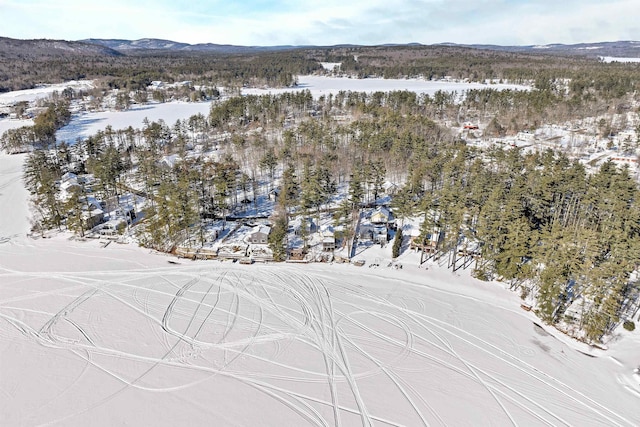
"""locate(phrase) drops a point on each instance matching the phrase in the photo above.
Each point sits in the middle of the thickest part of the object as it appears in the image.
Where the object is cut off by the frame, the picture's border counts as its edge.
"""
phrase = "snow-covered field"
(88, 124)
(323, 85)
(618, 59)
(116, 335)
(30, 95)
(6, 124)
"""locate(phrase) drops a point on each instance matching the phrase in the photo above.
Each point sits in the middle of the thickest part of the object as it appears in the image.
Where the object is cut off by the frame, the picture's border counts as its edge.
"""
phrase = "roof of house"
(93, 202)
(327, 231)
(65, 185)
(381, 210)
(68, 176)
(298, 221)
(264, 229)
(92, 213)
(170, 160)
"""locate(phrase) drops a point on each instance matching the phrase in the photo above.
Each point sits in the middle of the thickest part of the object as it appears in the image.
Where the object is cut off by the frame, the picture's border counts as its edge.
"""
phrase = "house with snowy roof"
(328, 238)
(377, 233)
(67, 187)
(169, 162)
(382, 216)
(302, 225)
(259, 235)
(92, 217)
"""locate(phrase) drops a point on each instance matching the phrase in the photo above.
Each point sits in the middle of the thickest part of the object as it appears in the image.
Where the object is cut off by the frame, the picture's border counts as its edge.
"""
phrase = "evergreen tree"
(40, 175)
(277, 237)
(74, 208)
(397, 244)
(403, 204)
(290, 190)
(356, 192)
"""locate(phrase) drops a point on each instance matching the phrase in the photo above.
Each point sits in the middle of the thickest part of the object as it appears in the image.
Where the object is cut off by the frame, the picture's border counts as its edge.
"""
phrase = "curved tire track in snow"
(310, 343)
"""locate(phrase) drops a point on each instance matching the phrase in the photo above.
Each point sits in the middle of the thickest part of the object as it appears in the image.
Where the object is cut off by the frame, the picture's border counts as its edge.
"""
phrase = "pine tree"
(269, 162)
(74, 208)
(290, 190)
(40, 175)
(377, 176)
(397, 244)
(277, 237)
(356, 192)
(403, 204)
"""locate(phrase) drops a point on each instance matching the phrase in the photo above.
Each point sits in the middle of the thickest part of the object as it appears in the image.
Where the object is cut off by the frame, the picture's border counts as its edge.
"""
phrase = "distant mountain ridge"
(125, 46)
(617, 48)
(628, 48)
(52, 48)
(116, 47)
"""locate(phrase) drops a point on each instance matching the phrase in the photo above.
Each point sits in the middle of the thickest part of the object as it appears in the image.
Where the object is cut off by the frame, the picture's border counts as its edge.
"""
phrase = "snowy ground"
(93, 335)
(30, 95)
(618, 59)
(323, 85)
(6, 124)
(88, 124)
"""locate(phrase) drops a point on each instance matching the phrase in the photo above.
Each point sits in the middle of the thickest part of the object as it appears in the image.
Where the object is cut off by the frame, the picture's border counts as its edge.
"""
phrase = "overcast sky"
(326, 22)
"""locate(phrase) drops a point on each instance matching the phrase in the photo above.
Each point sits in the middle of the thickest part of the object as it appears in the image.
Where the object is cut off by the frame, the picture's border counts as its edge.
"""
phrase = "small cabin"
(375, 233)
(260, 235)
(304, 226)
(328, 239)
(328, 244)
(381, 215)
(92, 217)
(274, 194)
(430, 244)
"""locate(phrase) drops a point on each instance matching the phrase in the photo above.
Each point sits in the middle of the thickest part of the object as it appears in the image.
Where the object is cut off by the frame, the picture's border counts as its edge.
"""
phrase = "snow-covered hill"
(159, 44)
(44, 48)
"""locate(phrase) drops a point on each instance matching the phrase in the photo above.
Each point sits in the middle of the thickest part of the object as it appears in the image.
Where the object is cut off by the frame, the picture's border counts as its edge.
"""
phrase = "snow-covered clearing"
(330, 66)
(88, 124)
(323, 85)
(30, 95)
(114, 335)
(618, 59)
(6, 124)
(14, 218)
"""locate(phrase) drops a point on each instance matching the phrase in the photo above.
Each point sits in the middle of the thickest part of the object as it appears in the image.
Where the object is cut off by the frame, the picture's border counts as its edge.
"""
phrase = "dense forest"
(567, 239)
(26, 64)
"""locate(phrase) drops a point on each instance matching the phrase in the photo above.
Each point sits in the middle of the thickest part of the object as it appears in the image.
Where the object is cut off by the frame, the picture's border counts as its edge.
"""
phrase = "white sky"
(261, 22)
